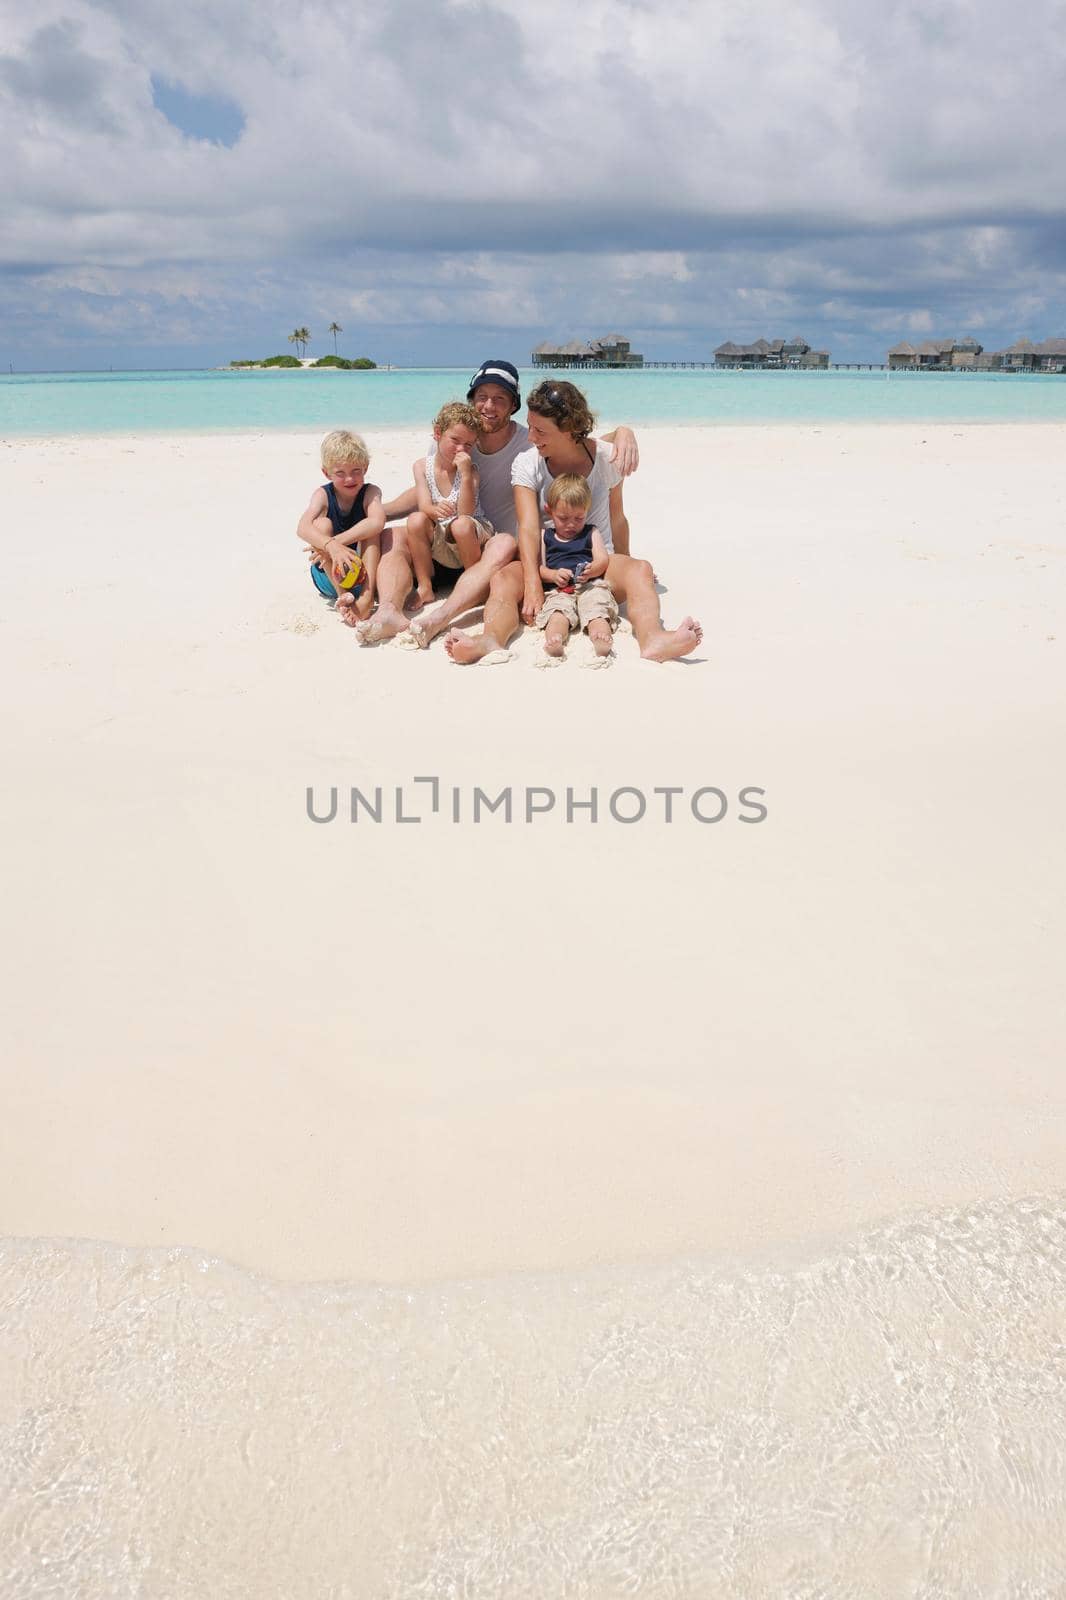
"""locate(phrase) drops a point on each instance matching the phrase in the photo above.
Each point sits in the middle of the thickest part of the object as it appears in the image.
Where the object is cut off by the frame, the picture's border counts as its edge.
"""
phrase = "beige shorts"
(443, 548)
(589, 601)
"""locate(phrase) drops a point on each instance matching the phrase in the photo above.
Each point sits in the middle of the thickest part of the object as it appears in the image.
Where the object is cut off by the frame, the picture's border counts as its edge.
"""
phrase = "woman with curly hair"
(560, 427)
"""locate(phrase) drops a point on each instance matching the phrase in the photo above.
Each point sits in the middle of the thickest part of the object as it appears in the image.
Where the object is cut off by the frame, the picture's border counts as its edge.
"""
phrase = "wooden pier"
(748, 366)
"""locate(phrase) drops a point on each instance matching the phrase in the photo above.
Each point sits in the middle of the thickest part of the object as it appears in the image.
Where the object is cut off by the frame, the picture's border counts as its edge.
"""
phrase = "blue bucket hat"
(500, 372)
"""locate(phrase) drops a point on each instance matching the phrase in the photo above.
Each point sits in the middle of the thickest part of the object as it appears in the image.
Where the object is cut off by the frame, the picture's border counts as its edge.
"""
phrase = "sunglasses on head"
(552, 397)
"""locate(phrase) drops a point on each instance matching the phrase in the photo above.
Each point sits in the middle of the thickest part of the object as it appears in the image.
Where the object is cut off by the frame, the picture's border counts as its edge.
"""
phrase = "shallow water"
(58, 404)
(883, 1418)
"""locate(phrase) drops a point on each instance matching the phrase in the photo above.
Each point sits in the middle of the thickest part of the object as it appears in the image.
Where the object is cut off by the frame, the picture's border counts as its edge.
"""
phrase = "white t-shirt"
(532, 472)
(497, 495)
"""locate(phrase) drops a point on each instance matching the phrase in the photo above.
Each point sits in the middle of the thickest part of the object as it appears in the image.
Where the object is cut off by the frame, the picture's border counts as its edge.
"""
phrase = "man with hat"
(494, 394)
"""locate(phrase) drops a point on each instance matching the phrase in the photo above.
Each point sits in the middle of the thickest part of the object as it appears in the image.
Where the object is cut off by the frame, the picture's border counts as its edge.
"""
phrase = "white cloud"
(506, 165)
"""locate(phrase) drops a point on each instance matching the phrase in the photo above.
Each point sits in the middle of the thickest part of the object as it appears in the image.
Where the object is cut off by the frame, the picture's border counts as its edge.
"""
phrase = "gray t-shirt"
(497, 495)
(532, 472)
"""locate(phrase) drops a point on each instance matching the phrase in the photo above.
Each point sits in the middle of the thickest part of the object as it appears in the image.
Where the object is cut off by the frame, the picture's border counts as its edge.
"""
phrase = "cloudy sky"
(185, 184)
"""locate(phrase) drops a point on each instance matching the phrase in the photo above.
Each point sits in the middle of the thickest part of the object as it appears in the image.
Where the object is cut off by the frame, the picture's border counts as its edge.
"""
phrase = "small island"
(293, 363)
(301, 337)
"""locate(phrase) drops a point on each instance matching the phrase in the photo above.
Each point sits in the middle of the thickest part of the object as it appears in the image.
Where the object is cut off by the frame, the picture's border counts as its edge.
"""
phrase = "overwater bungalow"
(610, 350)
(1051, 355)
(936, 355)
(953, 355)
(1025, 356)
(770, 353)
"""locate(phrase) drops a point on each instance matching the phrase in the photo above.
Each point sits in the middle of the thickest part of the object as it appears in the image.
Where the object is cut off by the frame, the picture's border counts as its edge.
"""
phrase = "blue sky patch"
(200, 116)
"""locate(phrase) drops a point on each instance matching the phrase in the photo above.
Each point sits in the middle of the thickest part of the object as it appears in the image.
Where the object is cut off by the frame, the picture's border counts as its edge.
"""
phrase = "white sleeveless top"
(441, 497)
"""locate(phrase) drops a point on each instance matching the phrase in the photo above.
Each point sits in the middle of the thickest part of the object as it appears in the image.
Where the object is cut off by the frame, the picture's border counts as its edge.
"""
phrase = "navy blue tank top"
(569, 553)
(343, 520)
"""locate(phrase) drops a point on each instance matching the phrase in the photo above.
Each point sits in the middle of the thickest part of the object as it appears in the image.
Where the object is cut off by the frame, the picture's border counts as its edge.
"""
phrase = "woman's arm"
(625, 455)
(527, 508)
(546, 573)
(619, 522)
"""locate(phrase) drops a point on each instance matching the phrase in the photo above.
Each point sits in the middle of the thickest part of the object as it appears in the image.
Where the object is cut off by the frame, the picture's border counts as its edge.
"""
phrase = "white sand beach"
(403, 1052)
(416, 1053)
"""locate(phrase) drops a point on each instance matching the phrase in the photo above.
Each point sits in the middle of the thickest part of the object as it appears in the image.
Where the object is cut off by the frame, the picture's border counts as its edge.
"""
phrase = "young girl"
(447, 531)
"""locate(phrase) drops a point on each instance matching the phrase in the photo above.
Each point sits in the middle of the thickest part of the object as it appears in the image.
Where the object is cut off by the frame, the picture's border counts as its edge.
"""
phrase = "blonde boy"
(573, 559)
(344, 516)
(446, 533)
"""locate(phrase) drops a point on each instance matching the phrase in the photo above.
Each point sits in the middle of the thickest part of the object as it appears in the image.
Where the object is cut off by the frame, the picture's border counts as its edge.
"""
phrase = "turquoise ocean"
(61, 404)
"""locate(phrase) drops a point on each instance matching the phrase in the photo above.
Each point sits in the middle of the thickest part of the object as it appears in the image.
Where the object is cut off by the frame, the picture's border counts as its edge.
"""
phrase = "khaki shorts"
(589, 601)
(443, 547)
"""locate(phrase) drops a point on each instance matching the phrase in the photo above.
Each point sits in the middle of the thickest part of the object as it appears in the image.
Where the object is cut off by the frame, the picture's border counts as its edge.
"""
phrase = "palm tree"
(296, 336)
(305, 339)
(334, 329)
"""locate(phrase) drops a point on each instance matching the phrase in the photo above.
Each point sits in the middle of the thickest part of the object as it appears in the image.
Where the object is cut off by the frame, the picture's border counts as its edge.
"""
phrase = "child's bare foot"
(556, 634)
(602, 638)
(386, 623)
(424, 597)
(667, 645)
(345, 609)
(466, 648)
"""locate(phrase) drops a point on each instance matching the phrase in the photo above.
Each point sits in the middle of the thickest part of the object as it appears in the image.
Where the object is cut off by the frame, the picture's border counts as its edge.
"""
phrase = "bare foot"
(554, 644)
(426, 630)
(424, 597)
(364, 605)
(345, 609)
(665, 646)
(466, 648)
(386, 623)
(602, 637)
